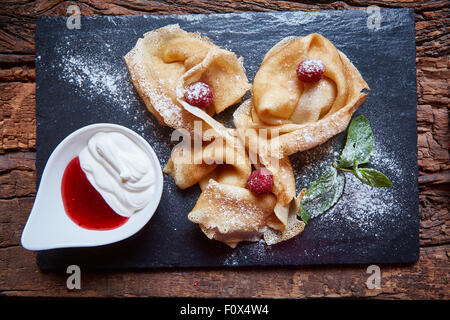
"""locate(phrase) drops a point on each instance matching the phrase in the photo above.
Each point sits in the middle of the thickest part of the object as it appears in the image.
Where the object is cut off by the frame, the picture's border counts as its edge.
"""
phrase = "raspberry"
(260, 181)
(310, 70)
(199, 94)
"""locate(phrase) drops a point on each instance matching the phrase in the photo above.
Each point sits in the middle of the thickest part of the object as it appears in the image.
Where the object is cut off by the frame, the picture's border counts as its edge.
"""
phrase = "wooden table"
(19, 275)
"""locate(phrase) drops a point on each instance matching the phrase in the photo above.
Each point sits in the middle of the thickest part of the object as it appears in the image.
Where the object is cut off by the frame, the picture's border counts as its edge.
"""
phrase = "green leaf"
(359, 143)
(372, 177)
(322, 194)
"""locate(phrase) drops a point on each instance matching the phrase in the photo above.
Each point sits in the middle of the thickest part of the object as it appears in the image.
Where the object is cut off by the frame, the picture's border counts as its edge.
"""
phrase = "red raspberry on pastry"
(260, 181)
(310, 70)
(199, 94)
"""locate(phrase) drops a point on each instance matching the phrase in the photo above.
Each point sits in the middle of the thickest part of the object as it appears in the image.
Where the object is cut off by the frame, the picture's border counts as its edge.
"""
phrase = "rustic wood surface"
(19, 275)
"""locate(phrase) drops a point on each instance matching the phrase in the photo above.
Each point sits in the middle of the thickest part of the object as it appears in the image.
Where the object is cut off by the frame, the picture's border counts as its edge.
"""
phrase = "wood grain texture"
(17, 116)
(19, 275)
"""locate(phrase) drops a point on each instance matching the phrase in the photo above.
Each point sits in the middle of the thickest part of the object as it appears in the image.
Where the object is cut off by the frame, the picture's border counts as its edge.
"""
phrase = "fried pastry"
(227, 210)
(304, 93)
(300, 112)
(170, 58)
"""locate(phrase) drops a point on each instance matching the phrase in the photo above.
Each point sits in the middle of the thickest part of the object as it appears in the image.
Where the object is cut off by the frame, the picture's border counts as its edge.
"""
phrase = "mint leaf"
(326, 191)
(359, 143)
(322, 194)
(372, 177)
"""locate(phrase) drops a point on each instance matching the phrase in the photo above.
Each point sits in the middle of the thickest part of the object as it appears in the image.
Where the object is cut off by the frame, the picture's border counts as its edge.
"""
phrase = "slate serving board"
(82, 79)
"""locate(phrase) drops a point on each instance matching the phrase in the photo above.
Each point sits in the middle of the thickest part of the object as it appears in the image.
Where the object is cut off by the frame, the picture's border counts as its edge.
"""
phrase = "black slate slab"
(82, 79)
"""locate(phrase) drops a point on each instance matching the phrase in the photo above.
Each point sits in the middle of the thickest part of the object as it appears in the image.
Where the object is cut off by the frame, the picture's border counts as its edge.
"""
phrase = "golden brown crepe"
(226, 210)
(284, 116)
(297, 115)
(168, 59)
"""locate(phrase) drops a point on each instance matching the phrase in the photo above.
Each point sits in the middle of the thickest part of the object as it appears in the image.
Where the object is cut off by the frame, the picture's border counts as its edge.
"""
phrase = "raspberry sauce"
(83, 204)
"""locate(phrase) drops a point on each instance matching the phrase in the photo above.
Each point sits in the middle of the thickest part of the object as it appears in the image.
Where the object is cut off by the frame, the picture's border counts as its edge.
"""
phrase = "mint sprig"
(371, 177)
(322, 194)
(328, 189)
(359, 143)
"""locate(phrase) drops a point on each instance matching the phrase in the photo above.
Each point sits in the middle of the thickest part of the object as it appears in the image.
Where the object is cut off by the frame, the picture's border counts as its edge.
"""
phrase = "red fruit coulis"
(83, 204)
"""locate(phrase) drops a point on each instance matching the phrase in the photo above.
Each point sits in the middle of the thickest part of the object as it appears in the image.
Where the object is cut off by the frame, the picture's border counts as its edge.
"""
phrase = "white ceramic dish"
(49, 227)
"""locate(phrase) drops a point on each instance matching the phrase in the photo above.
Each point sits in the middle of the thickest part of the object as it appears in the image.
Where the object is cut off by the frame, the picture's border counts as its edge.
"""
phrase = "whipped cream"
(120, 170)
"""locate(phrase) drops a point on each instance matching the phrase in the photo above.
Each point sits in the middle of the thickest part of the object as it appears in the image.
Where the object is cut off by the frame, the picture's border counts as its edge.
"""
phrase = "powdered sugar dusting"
(368, 206)
(312, 65)
(167, 109)
(254, 252)
(361, 207)
(100, 75)
(95, 78)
